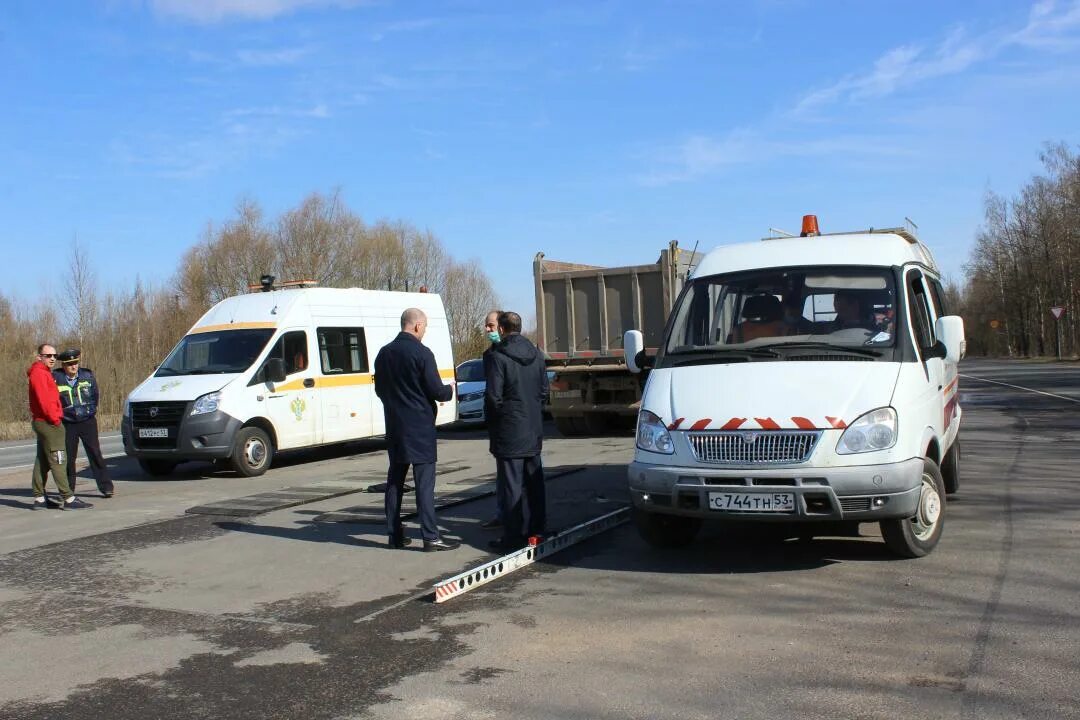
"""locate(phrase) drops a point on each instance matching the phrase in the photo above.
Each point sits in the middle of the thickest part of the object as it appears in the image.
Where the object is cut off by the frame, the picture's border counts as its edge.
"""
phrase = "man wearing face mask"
(491, 332)
(516, 385)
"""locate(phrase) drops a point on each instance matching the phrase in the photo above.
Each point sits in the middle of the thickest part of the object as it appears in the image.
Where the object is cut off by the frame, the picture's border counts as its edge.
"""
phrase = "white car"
(470, 391)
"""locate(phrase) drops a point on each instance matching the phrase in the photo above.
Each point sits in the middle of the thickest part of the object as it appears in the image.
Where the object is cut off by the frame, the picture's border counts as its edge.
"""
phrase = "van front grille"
(158, 413)
(756, 447)
(165, 415)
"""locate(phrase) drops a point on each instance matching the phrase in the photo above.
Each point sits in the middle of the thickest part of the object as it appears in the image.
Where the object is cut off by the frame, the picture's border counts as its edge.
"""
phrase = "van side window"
(342, 350)
(290, 347)
(919, 308)
(938, 296)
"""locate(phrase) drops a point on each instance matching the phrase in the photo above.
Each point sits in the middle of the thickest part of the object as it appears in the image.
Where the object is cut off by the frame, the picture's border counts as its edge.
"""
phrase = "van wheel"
(252, 452)
(666, 531)
(916, 536)
(157, 468)
(950, 469)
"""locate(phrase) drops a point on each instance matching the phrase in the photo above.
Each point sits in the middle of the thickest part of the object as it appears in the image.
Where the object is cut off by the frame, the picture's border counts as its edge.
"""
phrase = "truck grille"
(157, 415)
(760, 447)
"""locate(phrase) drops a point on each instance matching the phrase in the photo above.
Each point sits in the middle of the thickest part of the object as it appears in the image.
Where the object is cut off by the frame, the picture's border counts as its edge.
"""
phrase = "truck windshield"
(769, 314)
(219, 352)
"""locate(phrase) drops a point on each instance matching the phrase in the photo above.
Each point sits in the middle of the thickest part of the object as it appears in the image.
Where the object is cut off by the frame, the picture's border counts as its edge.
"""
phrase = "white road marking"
(1020, 387)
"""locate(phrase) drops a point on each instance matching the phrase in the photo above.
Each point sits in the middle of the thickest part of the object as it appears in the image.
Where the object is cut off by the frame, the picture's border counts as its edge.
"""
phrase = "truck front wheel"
(666, 531)
(252, 452)
(916, 536)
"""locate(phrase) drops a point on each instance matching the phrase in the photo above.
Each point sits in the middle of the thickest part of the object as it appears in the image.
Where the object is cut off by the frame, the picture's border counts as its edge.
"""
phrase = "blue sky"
(594, 132)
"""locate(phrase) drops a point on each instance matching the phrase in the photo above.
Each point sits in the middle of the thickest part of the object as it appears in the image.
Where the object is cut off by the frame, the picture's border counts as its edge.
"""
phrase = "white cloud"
(699, 155)
(1049, 26)
(213, 11)
(271, 58)
(402, 26)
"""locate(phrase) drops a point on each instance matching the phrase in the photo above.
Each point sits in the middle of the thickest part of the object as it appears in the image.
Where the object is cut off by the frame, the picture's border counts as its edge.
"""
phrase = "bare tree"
(80, 292)
(468, 297)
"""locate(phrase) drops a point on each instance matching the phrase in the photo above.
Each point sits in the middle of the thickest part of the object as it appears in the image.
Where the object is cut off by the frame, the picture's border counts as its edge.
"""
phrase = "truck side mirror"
(950, 332)
(634, 352)
(275, 370)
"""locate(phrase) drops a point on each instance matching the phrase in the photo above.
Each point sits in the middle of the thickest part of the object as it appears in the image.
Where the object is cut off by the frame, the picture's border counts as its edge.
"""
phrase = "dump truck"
(582, 312)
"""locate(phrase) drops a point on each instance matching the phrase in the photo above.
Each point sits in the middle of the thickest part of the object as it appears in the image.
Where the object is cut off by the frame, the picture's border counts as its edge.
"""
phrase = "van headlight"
(127, 407)
(652, 435)
(208, 403)
(875, 430)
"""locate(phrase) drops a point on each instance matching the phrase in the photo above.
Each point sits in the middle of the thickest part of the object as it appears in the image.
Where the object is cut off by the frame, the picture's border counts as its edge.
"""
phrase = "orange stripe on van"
(803, 423)
(701, 424)
(836, 422)
(234, 326)
(675, 425)
(733, 424)
(767, 423)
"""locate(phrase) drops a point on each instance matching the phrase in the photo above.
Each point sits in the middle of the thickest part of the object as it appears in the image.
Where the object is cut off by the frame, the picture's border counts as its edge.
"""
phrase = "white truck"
(803, 380)
(283, 369)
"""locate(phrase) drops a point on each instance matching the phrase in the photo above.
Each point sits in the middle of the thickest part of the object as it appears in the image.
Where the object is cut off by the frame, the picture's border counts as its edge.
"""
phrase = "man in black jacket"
(408, 383)
(513, 405)
(79, 399)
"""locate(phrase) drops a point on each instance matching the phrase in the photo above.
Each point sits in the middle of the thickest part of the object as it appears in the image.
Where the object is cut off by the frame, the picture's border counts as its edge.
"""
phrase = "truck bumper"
(198, 437)
(857, 493)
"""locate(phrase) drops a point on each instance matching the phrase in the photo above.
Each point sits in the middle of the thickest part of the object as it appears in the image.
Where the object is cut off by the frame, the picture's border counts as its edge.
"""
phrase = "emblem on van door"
(298, 406)
(153, 411)
(749, 437)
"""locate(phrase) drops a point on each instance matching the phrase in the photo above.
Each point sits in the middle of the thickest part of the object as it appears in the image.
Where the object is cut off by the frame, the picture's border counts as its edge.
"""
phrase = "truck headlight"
(127, 407)
(652, 435)
(208, 403)
(875, 430)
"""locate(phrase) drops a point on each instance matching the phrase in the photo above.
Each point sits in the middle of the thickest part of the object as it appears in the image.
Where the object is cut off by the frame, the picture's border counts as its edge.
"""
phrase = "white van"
(803, 380)
(275, 370)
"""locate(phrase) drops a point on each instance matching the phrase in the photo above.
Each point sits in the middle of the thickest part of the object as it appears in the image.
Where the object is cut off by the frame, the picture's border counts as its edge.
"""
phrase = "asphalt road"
(134, 609)
(20, 453)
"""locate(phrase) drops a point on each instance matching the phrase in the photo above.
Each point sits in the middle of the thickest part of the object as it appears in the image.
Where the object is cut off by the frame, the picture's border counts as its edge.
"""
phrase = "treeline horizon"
(125, 333)
(1026, 260)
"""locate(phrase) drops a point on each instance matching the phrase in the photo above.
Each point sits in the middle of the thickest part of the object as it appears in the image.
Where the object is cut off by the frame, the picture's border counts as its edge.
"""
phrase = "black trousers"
(87, 431)
(424, 480)
(519, 488)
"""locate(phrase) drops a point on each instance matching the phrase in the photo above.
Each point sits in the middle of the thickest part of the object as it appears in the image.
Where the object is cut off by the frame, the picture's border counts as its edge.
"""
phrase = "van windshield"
(218, 352)
(817, 312)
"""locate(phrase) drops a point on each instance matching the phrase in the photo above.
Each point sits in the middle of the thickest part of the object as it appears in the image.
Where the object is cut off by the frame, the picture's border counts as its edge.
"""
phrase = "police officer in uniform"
(79, 399)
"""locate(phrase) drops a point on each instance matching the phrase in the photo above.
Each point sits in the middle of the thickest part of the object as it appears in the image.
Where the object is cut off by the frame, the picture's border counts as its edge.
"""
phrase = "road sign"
(994, 324)
(1057, 311)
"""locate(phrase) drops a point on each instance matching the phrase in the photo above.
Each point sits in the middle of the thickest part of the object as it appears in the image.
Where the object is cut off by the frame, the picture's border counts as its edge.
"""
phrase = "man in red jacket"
(46, 414)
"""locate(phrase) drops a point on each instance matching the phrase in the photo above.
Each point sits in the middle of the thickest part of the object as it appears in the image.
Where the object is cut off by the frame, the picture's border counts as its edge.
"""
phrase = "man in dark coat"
(408, 383)
(79, 398)
(513, 404)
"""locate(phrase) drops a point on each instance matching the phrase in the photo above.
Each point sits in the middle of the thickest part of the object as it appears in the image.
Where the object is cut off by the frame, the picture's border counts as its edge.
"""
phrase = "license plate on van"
(752, 502)
(153, 432)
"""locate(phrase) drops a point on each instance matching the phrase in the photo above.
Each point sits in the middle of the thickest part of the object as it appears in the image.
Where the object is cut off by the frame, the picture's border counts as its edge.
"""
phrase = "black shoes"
(48, 503)
(491, 524)
(76, 504)
(440, 544)
(398, 541)
(106, 494)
